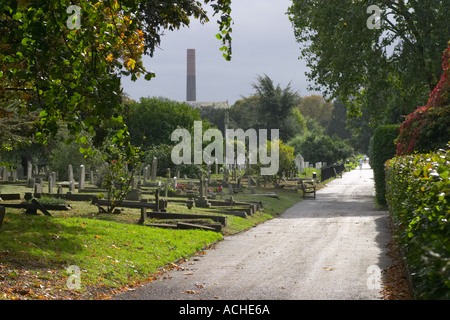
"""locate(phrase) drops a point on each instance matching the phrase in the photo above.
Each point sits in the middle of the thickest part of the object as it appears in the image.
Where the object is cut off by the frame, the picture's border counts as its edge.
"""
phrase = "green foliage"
(74, 75)
(163, 153)
(315, 106)
(60, 161)
(271, 107)
(338, 121)
(419, 202)
(382, 148)
(151, 121)
(428, 127)
(118, 173)
(276, 106)
(362, 70)
(321, 148)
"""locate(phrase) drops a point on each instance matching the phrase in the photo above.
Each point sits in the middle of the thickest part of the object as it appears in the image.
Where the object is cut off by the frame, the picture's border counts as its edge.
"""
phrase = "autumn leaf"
(110, 57)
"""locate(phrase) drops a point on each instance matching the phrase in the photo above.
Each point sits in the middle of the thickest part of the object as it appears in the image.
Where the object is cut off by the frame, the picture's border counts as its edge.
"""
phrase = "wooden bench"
(337, 174)
(307, 187)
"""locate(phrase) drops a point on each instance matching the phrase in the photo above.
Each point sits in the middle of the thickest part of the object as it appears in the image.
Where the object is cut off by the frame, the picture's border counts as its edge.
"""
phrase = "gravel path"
(333, 247)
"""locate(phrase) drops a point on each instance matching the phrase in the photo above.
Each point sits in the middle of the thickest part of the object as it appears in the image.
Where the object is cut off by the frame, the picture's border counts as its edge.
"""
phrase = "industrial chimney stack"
(191, 81)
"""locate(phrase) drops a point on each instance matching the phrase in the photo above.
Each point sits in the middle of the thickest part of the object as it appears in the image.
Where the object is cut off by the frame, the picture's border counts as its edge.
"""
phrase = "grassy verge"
(111, 250)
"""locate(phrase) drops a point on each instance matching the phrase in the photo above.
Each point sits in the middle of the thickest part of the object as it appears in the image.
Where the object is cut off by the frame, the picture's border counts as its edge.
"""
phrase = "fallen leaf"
(191, 292)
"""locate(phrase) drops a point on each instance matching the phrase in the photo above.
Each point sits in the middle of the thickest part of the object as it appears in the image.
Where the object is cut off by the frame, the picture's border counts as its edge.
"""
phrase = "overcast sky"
(263, 43)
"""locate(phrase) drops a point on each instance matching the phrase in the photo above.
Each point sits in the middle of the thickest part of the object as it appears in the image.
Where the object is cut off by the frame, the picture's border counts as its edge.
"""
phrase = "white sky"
(263, 43)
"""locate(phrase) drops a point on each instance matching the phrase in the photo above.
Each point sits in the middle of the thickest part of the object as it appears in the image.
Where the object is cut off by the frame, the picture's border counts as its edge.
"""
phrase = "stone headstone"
(202, 201)
(32, 182)
(20, 173)
(145, 175)
(70, 173)
(51, 183)
(82, 178)
(29, 174)
(300, 163)
(13, 176)
(154, 168)
(134, 195)
(71, 186)
(5, 174)
(37, 188)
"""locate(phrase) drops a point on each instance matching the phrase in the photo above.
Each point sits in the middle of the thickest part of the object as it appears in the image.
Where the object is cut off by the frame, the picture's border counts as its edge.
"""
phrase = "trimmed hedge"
(382, 148)
(419, 203)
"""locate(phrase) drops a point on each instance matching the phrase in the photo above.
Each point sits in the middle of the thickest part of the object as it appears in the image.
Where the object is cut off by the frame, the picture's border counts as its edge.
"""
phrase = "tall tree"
(316, 107)
(389, 68)
(64, 60)
(276, 106)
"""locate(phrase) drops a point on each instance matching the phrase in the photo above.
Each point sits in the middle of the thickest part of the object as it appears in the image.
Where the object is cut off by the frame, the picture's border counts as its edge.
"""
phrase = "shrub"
(418, 198)
(428, 127)
(382, 148)
(321, 148)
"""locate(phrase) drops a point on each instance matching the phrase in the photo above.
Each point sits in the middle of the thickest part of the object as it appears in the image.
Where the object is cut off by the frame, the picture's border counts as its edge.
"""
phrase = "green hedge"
(382, 148)
(419, 202)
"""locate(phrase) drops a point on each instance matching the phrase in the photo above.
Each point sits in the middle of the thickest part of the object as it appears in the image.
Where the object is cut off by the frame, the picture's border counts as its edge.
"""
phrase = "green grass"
(111, 250)
(108, 253)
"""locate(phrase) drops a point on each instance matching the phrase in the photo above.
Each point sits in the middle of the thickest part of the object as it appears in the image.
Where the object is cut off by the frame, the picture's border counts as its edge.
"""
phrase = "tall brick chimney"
(191, 81)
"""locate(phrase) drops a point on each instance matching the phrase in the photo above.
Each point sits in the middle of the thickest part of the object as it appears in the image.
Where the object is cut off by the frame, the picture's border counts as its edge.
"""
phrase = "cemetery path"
(333, 247)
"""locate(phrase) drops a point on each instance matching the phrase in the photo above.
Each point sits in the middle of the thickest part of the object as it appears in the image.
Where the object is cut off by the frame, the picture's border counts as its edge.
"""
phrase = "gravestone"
(225, 175)
(51, 184)
(5, 174)
(32, 182)
(154, 168)
(37, 188)
(71, 186)
(300, 163)
(202, 201)
(145, 175)
(20, 173)
(208, 170)
(29, 174)
(134, 195)
(91, 177)
(13, 176)
(70, 173)
(82, 178)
